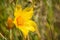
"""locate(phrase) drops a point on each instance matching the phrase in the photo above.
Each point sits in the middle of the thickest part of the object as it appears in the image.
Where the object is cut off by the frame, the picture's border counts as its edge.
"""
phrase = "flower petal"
(30, 25)
(24, 31)
(28, 12)
(18, 10)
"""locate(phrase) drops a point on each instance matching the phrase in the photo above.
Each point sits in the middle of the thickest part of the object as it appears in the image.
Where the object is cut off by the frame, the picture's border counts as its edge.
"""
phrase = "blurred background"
(46, 15)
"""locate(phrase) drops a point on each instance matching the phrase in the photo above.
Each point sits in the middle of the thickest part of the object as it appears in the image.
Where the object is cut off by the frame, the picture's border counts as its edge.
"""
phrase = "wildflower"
(23, 20)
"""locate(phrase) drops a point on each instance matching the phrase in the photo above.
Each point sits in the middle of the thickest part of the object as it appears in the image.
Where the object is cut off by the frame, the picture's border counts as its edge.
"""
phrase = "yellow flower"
(23, 20)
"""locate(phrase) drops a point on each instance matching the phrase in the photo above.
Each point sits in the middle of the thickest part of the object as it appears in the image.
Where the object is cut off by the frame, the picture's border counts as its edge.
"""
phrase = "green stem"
(2, 36)
(11, 34)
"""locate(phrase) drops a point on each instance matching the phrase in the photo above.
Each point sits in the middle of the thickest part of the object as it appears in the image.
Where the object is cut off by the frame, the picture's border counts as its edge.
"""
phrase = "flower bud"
(9, 23)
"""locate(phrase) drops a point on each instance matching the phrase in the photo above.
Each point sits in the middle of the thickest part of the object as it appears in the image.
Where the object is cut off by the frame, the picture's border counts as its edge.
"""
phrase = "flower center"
(20, 21)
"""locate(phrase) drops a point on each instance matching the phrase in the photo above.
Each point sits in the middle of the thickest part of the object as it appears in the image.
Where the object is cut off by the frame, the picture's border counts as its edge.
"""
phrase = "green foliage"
(44, 17)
